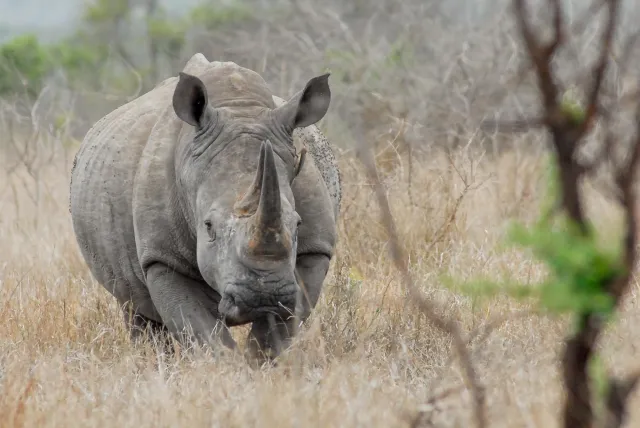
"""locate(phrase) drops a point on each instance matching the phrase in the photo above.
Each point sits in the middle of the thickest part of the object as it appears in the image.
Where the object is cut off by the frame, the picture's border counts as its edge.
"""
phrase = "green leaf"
(599, 379)
(23, 63)
(572, 108)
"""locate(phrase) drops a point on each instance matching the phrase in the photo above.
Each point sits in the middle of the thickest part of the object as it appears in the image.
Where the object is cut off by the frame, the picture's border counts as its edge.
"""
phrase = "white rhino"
(196, 207)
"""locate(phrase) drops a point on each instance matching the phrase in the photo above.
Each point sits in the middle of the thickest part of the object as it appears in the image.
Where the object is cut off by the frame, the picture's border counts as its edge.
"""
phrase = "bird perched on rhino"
(196, 206)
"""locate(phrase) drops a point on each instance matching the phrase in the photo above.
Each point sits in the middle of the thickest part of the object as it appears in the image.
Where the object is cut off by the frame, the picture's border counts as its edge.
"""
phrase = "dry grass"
(366, 358)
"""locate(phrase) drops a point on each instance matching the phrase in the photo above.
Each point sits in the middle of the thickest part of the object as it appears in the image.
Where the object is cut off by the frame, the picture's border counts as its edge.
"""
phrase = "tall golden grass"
(366, 358)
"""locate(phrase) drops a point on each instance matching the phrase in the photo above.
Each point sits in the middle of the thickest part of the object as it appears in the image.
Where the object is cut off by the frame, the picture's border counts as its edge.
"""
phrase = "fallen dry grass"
(366, 359)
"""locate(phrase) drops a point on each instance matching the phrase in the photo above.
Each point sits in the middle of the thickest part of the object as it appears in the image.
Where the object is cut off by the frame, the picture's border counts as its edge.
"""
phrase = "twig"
(428, 308)
(424, 413)
(601, 67)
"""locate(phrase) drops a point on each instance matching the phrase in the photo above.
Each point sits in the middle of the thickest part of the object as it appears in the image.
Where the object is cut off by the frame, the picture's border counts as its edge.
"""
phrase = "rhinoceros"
(197, 207)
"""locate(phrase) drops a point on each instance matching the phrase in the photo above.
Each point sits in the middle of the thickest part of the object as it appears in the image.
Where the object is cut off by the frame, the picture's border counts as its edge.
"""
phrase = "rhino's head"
(234, 174)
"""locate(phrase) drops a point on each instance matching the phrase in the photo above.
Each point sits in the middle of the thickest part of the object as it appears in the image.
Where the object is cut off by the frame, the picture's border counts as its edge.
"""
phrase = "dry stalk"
(430, 310)
(424, 417)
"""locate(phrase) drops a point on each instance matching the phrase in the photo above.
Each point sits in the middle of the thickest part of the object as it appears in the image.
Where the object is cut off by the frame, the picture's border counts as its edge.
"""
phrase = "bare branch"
(558, 26)
(603, 61)
(428, 308)
(627, 51)
(587, 15)
(539, 55)
(619, 392)
(517, 125)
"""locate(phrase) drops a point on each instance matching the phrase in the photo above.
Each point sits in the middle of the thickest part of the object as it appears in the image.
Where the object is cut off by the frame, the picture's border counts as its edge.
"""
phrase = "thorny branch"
(415, 295)
(567, 136)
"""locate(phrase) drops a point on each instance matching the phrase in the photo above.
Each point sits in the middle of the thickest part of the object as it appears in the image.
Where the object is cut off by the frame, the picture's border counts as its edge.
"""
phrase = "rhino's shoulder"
(323, 156)
(95, 134)
(320, 148)
(153, 104)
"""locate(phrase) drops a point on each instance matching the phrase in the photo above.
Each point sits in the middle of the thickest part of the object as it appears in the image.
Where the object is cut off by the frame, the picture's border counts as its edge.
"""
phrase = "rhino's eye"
(210, 231)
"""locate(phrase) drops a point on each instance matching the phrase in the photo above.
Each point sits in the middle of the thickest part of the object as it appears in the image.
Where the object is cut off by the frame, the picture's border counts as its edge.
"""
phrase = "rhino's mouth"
(240, 305)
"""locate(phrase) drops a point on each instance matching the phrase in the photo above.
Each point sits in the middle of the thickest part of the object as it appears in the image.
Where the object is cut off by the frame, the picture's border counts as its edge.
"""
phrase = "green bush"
(579, 265)
(24, 63)
(212, 16)
(168, 37)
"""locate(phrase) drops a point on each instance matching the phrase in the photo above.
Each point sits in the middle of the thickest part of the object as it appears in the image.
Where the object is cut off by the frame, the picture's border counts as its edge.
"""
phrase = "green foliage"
(105, 11)
(483, 288)
(572, 108)
(341, 63)
(110, 27)
(83, 57)
(212, 16)
(61, 120)
(579, 266)
(600, 381)
(78, 60)
(348, 66)
(400, 55)
(168, 37)
(24, 63)
(339, 55)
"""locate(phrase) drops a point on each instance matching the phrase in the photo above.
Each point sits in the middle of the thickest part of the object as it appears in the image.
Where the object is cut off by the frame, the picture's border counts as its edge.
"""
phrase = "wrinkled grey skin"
(193, 208)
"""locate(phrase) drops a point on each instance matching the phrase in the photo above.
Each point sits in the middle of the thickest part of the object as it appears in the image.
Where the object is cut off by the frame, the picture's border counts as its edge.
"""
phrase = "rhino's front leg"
(270, 336)
(186, 310)
(312, 270)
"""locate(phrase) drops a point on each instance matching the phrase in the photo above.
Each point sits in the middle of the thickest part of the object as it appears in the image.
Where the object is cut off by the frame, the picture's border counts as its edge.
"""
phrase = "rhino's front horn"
(262, 201)
(269, 213)
(248, 204)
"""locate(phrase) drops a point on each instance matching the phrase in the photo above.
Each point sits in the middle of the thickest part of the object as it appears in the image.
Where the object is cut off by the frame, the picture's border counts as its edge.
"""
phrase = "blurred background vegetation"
(406, 75)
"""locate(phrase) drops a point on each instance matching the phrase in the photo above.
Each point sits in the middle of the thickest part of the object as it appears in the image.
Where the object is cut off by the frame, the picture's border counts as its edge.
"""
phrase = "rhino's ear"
(307, 106)
(190, 99)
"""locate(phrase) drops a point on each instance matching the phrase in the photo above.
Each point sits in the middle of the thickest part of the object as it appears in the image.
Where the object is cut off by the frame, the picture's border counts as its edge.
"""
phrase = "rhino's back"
(102, 181)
